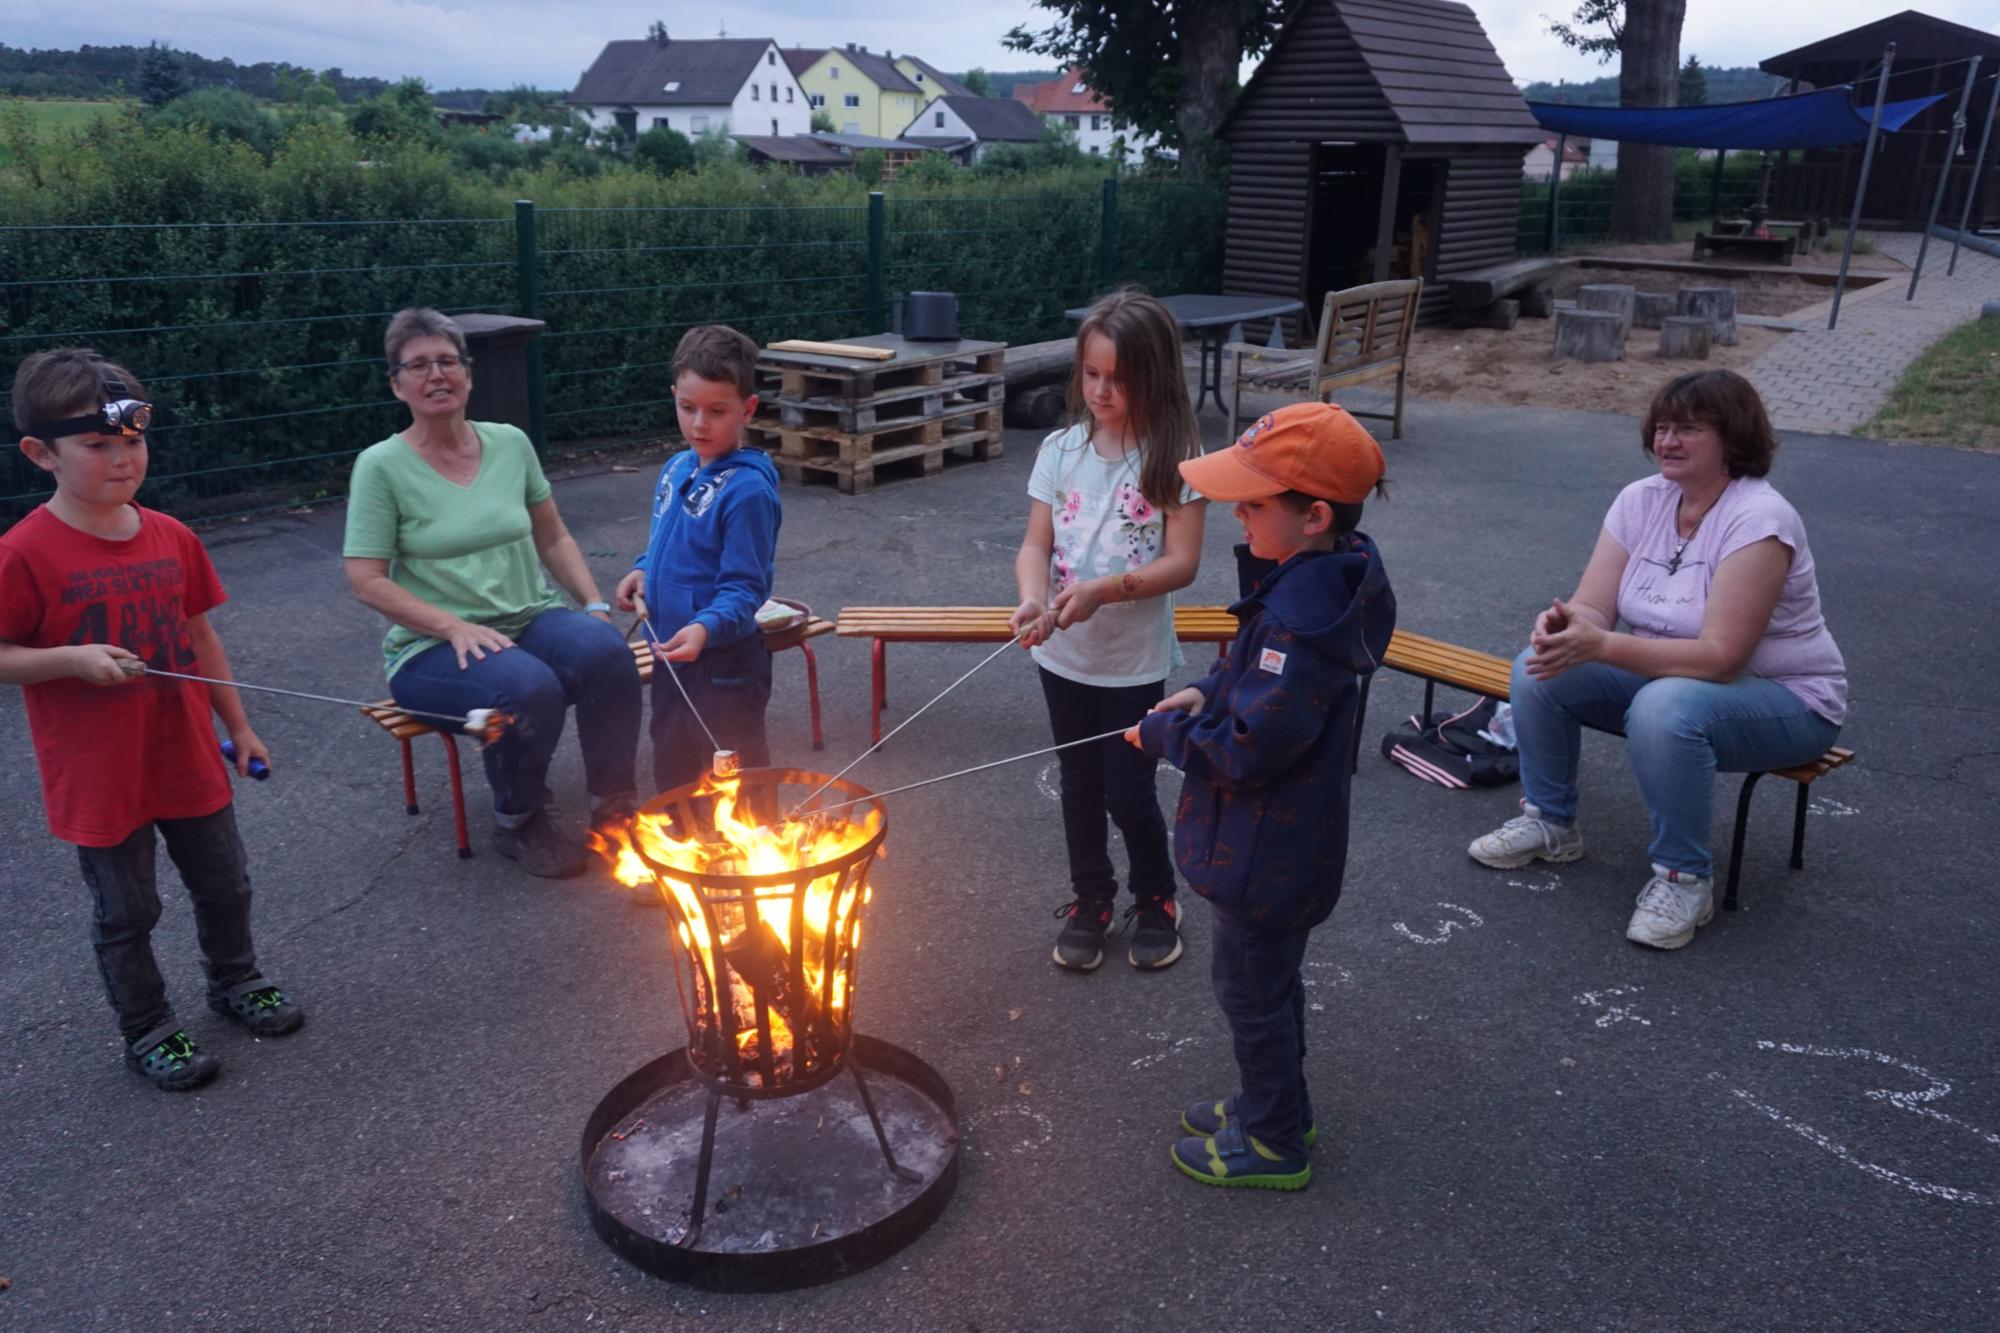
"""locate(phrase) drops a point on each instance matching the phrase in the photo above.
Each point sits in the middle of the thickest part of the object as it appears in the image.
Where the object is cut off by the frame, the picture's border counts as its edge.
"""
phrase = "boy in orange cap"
(1267, 743)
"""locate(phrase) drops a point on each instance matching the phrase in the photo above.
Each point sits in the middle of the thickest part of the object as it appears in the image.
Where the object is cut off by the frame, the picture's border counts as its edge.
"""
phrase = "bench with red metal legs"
(406, 728)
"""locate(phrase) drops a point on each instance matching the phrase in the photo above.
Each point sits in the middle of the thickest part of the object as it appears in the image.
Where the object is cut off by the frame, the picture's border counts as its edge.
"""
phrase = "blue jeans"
(730, 685)
(1255, 970)
(562, 658)
(1678, 731)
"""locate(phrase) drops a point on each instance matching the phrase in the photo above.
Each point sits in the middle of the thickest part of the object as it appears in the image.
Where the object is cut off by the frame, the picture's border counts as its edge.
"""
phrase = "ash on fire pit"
(745, 1160)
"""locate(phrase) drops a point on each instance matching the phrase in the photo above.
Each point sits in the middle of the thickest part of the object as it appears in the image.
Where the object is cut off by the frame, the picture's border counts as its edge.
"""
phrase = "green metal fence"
(261, 341)
(1577, 211)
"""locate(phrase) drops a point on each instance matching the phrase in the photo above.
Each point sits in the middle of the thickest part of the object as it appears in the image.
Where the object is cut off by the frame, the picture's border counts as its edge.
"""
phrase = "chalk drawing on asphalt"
(1613, 1006)
(1444, 927)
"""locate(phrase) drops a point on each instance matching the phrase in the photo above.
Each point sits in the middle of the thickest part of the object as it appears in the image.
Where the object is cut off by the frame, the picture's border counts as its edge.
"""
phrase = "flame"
(756, 952)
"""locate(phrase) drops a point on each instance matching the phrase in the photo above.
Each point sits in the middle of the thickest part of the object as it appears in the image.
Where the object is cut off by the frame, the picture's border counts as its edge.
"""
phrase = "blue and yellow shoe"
(1206, 1119)
(1234, 1160)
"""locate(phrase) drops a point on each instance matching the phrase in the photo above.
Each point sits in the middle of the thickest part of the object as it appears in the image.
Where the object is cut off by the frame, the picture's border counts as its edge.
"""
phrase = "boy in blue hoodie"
(1267, 743)
(707, 566)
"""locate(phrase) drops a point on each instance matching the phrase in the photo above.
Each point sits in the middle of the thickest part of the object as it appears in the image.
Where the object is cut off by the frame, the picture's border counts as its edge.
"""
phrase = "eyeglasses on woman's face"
(1681, 430)
(422, 366)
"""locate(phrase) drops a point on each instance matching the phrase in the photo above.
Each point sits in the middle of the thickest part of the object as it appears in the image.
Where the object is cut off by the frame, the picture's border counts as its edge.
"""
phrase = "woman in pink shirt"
(1726, 662)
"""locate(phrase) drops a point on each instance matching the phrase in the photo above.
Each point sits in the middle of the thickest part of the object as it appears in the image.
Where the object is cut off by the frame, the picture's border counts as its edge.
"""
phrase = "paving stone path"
(1834, 381)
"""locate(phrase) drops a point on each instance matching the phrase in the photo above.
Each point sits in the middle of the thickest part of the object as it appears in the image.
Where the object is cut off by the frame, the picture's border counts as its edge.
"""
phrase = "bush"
(221, 113)
(931, 169)
(403, 114)
(869, 164)
(663, 150)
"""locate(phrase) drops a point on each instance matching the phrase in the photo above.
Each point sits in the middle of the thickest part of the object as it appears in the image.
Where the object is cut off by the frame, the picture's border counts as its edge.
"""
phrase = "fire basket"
(765, 915)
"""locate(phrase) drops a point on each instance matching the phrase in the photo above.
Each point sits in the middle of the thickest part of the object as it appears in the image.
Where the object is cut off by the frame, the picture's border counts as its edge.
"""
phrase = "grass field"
(51, 116)
(1950, 394)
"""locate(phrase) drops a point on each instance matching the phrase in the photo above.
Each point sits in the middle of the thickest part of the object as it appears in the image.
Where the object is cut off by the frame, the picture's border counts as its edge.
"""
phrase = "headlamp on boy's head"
(116, 415)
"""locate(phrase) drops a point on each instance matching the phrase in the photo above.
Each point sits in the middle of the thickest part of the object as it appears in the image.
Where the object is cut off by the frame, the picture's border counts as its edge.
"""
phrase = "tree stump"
(1649, 308)
(1717, 305)
(1037, 407)
(1589, 335)
(1615, 297)
(1538, 302)
(1684, 338)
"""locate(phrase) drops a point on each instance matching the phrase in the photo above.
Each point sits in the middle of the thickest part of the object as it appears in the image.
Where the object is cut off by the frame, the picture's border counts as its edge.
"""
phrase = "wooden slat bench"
(406, 728)
(1439, 663)
(978, 624)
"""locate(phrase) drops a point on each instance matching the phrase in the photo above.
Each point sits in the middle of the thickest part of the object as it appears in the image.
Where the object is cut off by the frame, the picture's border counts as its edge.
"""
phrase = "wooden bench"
(1777, 248)
(1439, 663)
(406, 728)
(1479, 297)
(1364, 334)
(978, 624)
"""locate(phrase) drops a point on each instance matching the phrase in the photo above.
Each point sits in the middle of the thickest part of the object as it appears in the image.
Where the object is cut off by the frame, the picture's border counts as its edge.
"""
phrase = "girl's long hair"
(1158, 416)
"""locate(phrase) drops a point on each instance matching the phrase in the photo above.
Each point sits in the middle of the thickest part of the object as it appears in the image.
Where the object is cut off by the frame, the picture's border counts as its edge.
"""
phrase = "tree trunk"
(1642, 195)
(1684, 338)
(1588, 335)
(1211, 42)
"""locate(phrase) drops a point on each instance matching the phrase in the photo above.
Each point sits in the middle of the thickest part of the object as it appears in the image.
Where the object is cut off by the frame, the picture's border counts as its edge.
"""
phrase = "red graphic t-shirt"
(119, 756)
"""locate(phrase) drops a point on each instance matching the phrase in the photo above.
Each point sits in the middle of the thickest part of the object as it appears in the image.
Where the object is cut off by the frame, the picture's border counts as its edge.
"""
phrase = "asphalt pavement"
(1525, 1120)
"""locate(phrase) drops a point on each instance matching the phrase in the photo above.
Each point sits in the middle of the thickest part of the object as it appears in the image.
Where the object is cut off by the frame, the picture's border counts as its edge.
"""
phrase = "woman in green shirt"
(450, 525)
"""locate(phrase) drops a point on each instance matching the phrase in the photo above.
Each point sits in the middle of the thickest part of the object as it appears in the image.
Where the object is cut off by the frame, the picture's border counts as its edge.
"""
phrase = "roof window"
(673, 87)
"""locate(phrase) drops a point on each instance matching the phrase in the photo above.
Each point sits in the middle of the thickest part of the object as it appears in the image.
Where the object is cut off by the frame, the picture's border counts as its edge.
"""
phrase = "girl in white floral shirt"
(1112, 534)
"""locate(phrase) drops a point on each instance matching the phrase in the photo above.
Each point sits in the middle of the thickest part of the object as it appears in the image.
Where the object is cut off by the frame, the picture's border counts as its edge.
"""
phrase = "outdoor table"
(1210, 318)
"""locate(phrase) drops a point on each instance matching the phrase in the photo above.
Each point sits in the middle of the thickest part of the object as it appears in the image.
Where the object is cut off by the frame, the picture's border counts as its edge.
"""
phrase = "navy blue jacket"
(1262, 824)
(715, 534)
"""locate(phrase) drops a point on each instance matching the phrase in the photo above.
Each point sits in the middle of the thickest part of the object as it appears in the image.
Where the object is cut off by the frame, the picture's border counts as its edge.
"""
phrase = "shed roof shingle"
(996, 118)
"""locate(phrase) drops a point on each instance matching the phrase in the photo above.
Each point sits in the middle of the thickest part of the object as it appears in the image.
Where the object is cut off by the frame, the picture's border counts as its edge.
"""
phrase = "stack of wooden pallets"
(848, 415)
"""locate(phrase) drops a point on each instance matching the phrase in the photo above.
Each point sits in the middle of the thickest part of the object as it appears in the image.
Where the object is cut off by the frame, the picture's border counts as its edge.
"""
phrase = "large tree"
(1645, 35)
(1168, 68)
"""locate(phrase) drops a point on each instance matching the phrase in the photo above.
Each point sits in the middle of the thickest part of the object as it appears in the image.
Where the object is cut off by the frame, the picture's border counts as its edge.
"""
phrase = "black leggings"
(1111, 778)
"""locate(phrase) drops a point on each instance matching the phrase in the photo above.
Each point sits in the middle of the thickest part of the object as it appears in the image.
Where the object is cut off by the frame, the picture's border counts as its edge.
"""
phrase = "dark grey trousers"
(209, 854)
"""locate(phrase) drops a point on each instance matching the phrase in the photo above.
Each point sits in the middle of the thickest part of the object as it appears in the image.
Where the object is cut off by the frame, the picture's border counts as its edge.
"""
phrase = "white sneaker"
(1527, 838)
(1670, 907)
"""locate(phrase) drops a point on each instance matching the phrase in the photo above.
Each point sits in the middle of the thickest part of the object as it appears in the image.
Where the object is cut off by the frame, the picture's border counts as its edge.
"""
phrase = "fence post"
(1107, 256)
(1715, 186)
(525, 298)
(878, 262)
(1555, 188)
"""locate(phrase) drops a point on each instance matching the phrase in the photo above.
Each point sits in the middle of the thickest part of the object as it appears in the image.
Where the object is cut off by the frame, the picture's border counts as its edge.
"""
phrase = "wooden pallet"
(891, 407)
(858, 381)
(852, 459)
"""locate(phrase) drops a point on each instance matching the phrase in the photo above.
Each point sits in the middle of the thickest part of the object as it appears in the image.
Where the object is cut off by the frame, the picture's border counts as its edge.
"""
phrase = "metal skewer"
(976, 768)
(136, 668)
(907, 721)
(660, 651)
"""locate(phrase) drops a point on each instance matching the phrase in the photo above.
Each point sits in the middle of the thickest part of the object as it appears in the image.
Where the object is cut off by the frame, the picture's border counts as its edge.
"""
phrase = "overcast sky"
(497, 43)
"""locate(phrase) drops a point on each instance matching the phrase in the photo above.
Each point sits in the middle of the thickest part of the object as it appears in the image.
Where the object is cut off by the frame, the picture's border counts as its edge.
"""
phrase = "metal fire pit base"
(799, 1193)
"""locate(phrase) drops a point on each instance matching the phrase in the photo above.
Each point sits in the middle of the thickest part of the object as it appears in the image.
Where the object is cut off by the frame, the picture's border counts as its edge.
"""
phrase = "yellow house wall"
(881, 114)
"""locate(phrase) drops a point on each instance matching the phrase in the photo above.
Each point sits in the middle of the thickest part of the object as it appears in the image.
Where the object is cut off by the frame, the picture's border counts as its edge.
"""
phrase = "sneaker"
(259, 1006)
(1234, 1160)
(1670, 907)
(1080, 944)
(541, 847)
(171, 1061)
(1206, 1119)
(1525, 839)
(1156, 938)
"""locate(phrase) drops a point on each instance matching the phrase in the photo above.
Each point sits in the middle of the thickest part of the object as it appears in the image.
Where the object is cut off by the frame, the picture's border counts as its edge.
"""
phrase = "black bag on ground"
(1446, 748)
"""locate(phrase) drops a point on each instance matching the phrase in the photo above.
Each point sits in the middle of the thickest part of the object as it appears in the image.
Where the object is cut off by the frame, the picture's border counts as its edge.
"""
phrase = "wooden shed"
(1930, 58)
(1378, 139)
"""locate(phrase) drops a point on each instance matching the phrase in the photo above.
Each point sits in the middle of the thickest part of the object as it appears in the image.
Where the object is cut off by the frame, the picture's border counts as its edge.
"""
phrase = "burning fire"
(756, 957)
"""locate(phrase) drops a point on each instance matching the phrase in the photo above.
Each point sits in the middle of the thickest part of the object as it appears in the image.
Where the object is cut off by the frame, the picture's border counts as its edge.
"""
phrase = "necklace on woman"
(1680, 547)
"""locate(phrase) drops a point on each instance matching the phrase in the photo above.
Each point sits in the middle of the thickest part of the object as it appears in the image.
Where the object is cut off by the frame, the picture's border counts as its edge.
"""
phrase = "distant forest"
(113, 71)
(1744, 83)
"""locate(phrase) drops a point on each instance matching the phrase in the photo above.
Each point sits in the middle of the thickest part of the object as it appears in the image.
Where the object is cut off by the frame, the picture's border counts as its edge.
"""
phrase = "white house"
(971, 125)
(1071, 102)
(738, 85)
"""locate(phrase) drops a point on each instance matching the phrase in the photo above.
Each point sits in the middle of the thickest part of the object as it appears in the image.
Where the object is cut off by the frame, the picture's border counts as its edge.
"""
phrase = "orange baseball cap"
(1316, 448)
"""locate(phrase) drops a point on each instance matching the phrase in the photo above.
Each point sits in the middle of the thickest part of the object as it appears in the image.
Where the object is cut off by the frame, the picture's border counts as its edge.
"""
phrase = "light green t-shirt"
(469, 550)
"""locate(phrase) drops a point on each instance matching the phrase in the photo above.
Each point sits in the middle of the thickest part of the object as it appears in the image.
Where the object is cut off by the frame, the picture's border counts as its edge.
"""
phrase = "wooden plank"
(850, 350)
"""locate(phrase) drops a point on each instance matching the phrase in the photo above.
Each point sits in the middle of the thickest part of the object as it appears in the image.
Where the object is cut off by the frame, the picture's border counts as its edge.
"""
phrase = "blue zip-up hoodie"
(1262, 824)
(715, 534)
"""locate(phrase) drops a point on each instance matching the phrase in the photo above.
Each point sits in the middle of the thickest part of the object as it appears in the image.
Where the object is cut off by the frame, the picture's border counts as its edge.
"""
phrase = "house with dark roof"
(971, 125)
(739, 85)
(867, 92)
(1069, 102)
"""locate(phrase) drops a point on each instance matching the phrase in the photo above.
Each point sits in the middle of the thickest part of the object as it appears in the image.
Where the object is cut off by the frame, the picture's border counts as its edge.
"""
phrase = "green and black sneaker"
(259, 1006)
(173, 1063)
(1206, 1119)
(1234, 1160)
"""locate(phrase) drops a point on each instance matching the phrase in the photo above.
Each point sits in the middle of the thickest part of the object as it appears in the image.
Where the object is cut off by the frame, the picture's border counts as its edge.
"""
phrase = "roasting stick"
(724, 763)
(473, 723)
(976, 768)
(906, 722)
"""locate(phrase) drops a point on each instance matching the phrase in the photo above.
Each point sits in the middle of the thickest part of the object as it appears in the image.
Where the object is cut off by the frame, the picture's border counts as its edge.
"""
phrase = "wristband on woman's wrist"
(592, 608)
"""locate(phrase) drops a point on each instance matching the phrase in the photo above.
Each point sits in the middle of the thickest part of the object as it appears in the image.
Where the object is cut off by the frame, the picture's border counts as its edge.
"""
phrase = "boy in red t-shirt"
(92, 587)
